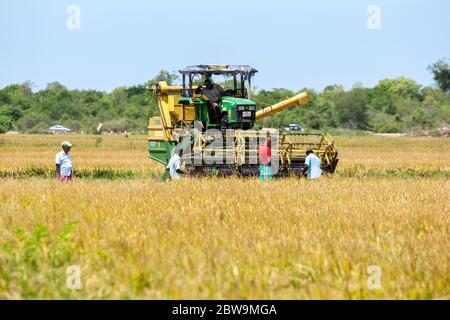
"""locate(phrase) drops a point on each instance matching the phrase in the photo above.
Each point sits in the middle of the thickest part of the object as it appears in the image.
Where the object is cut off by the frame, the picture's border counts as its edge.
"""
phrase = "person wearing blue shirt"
(312, 165)
(63, 161)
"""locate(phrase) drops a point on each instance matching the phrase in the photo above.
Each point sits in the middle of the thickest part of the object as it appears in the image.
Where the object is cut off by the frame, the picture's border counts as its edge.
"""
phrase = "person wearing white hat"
(63, 161)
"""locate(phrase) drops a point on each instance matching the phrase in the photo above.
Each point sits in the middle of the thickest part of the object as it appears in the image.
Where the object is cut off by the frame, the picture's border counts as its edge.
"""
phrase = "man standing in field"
(312, 165)
(174, 165)
(264, 155)
(63, 161)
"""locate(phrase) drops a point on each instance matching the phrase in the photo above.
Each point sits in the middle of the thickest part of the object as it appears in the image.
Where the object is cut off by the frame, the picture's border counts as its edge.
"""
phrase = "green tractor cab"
(234, 110)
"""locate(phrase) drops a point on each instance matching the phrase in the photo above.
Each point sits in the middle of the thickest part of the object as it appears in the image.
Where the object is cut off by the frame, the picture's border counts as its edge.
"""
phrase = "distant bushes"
(393, 105)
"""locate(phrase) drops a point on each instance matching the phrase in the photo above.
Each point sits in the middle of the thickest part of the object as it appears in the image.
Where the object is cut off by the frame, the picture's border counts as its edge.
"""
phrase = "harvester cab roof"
(240, 74)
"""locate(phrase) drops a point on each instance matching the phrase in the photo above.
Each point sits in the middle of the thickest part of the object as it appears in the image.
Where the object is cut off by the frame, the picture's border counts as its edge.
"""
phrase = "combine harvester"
(221, 139)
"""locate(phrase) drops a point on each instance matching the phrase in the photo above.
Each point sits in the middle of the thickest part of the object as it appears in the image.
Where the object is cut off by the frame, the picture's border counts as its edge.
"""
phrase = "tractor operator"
(213, 92)
(312, 165)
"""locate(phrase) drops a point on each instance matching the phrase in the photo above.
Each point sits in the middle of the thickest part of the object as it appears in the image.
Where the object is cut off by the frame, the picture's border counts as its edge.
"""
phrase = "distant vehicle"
(59, 129)
(294, 127)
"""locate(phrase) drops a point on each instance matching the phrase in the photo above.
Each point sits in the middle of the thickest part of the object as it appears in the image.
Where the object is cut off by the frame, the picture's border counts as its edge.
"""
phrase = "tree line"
(393, 105)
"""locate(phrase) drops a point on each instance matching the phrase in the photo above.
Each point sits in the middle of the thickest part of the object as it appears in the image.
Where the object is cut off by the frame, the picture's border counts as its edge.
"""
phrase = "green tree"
(400, 86)
(164, 75)
(13, 112)
(6, 123)
(441, 74)
(5, 98)
(421, 117)
(351, 108)
(381, 100)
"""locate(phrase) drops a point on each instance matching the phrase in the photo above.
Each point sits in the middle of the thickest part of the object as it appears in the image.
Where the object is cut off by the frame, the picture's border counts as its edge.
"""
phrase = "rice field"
(132, 236)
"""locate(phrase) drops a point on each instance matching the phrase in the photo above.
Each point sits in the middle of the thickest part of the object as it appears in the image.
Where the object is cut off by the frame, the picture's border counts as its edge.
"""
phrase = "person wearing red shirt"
(264, 155)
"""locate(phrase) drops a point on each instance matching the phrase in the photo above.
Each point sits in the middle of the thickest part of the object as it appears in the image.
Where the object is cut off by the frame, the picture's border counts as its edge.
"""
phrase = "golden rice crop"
(102, 151)
(120, 153)
(226, 238)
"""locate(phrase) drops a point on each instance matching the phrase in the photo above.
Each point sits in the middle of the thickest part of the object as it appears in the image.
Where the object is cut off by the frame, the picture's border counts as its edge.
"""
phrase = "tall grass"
(33, 264)
(115, 157)
(240, 239)
(135, 237)
(84, 173)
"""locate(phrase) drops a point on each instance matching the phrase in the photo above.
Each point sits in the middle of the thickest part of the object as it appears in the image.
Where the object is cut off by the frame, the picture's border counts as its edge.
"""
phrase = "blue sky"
(292, 43)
